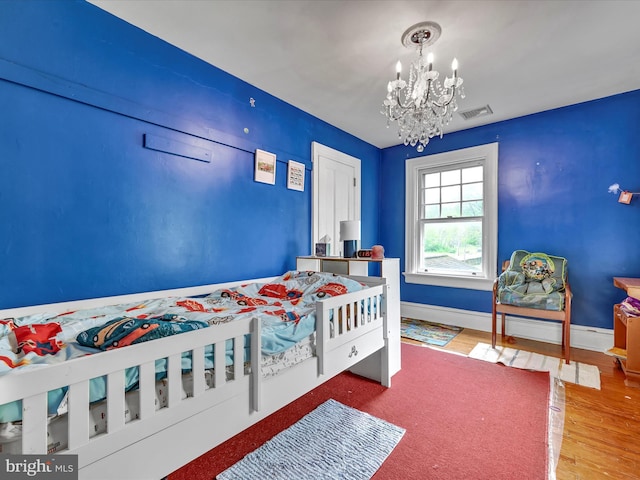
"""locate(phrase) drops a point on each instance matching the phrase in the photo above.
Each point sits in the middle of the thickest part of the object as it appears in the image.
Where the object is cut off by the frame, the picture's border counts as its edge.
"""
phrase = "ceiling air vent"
(476, 112)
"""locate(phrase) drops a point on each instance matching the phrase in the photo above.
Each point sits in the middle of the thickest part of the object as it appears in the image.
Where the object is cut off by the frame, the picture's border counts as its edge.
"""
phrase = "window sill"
(449, 281)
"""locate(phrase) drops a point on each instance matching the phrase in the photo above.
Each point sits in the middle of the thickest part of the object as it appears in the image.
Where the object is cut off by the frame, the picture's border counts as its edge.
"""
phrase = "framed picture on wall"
(295, 176)
(265, 171)
(625, 197)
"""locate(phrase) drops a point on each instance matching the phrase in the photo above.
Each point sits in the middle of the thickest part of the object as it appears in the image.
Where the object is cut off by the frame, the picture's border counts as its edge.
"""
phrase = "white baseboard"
(587, 338)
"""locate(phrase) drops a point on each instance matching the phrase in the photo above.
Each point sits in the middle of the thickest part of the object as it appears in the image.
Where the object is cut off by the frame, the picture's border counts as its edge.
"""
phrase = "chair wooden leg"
(504, 327)
(494, 302)
(567, 323)
(493, 327)
(567, 341)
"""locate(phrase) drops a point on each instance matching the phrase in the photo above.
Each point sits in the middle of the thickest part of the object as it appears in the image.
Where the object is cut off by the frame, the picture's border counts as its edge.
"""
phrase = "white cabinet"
(388, 268)
(339, 265)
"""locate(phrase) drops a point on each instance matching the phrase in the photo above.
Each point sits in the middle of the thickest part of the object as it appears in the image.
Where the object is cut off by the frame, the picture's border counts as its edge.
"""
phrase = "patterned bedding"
(286, 308)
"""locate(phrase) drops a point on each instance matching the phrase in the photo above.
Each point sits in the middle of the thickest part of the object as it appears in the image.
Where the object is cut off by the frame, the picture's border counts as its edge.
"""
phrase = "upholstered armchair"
(534, 285)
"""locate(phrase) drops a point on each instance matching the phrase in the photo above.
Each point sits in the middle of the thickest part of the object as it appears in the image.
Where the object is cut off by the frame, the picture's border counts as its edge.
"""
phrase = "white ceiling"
(333, 58)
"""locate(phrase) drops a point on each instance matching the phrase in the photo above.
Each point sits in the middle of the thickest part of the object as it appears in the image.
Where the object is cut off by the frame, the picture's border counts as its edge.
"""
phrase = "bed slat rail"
(27, 386)
(16, 386)
(78, 414)
(174, 380)
(363, 313)
(256, 372)
(34, 426)
(115, 401)
(197, 359)
(147, 397)
(220, 373)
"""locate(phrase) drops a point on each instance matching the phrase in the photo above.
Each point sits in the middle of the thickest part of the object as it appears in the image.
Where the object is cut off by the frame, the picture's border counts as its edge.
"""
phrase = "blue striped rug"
(574, 372)
(332, 442)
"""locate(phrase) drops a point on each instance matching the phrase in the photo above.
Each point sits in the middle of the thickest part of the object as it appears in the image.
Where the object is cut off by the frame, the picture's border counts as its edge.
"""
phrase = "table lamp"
(350, 234)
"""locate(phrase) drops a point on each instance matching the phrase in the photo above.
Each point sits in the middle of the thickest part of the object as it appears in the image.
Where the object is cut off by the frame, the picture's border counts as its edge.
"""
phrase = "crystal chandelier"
(422, 106)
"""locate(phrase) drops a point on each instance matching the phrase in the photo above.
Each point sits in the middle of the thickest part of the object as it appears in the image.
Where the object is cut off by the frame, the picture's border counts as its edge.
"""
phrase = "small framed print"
(265, 171)
(625, 197)
(322, 249)
(295, 176)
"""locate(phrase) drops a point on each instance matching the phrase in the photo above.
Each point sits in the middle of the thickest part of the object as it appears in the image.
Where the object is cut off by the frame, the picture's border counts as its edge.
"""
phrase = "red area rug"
(465, 419)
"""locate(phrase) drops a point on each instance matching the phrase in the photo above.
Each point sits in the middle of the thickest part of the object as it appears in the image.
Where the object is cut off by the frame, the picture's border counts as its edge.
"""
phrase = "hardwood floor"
(601, 437)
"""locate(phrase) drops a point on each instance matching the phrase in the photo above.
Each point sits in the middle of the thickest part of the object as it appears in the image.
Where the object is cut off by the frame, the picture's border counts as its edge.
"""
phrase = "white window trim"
(488, 153)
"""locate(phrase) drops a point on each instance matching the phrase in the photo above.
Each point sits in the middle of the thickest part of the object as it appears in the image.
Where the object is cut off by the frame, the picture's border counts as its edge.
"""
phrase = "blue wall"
(86, 210)
(553, 177)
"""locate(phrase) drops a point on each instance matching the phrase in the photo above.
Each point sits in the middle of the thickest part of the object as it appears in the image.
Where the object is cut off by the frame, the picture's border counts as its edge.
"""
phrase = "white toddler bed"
(198, 414)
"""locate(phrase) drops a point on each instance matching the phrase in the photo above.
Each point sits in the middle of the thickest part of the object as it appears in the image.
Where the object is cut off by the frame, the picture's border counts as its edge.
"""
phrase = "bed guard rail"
(338, 322)
(32, 386)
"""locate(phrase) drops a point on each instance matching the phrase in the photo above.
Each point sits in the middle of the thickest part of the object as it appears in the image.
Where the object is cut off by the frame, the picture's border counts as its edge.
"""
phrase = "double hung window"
(451, 222)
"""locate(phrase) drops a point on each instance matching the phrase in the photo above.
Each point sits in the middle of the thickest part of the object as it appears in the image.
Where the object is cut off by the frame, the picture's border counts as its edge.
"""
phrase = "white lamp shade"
(350, 230)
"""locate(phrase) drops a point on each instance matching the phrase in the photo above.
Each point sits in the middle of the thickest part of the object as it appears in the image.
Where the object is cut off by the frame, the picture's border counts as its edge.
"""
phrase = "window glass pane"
(473, 174)
(432, 195)
(431, 211)
(472, 191)
(431, 180)
(450, 210)
(451, 194)
(452, 247)
(472, 209)
(451, 177)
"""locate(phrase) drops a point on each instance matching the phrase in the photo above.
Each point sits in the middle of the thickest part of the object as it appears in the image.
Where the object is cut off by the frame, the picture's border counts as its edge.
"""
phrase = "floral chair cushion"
(534, 280)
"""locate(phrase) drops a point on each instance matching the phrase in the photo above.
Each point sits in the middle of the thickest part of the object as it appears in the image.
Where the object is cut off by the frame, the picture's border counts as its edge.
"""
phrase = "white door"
(336, 194)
